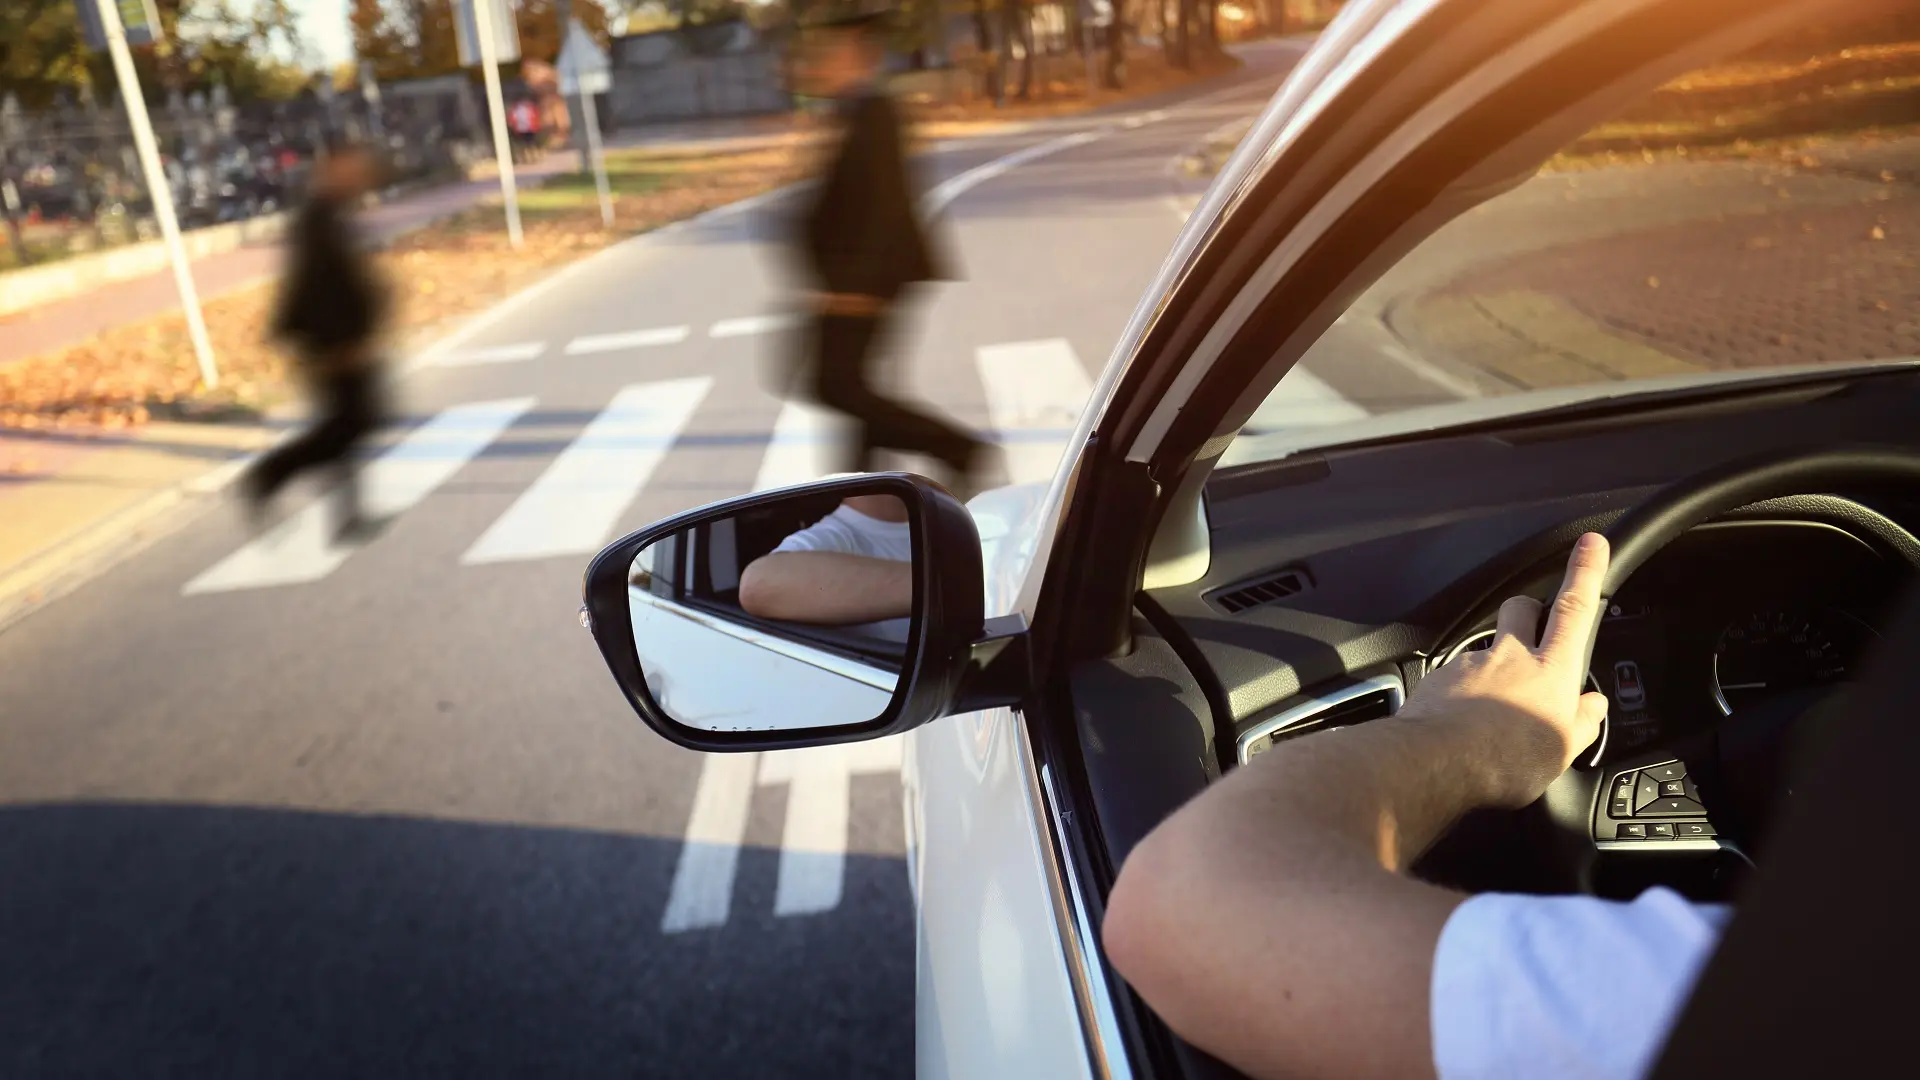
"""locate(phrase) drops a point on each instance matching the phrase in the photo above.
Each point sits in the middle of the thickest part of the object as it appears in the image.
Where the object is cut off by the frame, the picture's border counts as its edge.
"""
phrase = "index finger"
(1576, 610)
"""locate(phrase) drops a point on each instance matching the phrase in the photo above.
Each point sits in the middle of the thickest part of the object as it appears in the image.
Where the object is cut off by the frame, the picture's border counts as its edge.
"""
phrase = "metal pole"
(1087, 46)
(599, 159)
(157, 187)
(502, 150)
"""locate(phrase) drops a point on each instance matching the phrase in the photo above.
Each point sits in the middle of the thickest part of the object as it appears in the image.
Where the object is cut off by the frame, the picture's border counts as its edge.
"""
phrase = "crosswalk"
(1034, 391)
(572, 508)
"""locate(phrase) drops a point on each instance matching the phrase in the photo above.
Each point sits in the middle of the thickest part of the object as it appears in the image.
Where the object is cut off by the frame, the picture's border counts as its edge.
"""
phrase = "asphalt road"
(271, 808)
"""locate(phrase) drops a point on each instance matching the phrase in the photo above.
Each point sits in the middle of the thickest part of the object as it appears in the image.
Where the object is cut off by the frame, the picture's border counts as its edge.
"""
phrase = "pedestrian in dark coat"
(862, 242)
(329, 313)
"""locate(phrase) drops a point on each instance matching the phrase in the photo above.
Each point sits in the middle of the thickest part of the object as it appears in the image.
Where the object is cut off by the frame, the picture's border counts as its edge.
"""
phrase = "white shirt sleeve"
(854, 533)
(1564, 986)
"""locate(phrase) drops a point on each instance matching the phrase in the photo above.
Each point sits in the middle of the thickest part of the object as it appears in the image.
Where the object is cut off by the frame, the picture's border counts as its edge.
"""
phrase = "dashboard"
(1338, 578)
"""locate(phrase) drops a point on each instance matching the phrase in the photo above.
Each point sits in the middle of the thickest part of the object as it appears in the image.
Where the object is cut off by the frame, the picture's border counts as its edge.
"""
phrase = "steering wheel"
(1583, 826)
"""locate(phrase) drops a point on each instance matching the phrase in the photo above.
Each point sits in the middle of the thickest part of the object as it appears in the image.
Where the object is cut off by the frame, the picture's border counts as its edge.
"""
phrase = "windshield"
(1755, 215)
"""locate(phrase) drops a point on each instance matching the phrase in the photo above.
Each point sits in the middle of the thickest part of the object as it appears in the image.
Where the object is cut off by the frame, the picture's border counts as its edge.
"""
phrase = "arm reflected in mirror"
(853, 566)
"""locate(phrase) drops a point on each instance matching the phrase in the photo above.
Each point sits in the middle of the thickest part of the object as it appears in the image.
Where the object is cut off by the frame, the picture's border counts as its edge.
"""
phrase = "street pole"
(573, 43)
(593, 152)
(157, 187)
(502, 150)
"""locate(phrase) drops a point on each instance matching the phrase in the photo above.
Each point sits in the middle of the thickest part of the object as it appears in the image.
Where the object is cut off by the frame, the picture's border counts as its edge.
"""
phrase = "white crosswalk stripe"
(300, 549)
(813, 847)
(630, 339)
(802, 446)
(702, 892)
(1035, 391)
(572, 508)
(752, 324)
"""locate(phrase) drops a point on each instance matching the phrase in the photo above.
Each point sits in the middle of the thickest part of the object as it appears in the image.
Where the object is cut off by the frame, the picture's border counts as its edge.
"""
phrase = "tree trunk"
(1182, 55)
(1016, 26)
(993, 72)
(1116, 31)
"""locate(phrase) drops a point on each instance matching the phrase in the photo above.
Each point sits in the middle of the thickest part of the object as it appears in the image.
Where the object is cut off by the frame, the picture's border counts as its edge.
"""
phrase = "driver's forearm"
(1283, 884)
(826, 587)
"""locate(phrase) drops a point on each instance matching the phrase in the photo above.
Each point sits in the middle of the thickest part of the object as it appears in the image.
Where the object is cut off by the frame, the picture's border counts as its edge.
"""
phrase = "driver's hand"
(1522, 694)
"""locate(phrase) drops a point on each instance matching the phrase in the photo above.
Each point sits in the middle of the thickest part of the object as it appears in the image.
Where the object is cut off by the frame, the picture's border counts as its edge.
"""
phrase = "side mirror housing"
(835, 611)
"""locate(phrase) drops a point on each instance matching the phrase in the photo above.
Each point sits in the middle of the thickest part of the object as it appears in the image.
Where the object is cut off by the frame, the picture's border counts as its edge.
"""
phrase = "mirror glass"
(794, 613)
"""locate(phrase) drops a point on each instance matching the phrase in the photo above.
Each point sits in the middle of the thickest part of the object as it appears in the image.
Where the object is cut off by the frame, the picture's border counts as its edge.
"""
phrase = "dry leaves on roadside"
(131, 373)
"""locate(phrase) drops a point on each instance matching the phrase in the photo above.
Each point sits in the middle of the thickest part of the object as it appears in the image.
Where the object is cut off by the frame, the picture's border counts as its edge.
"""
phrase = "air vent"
(1356, 703)
(1275, 586)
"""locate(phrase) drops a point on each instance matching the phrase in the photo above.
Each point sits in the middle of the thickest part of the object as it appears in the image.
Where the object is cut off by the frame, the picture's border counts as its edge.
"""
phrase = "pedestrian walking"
(524, 118)
(328, 313)
(862, 242)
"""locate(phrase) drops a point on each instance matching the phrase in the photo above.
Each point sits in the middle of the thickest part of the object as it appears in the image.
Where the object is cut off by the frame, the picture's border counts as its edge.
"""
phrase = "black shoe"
(256, 506)
(360, 529)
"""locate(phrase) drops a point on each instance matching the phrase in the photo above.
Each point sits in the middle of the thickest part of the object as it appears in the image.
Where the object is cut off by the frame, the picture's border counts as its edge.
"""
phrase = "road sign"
(466, 32)
(583, 64)
(138, 19)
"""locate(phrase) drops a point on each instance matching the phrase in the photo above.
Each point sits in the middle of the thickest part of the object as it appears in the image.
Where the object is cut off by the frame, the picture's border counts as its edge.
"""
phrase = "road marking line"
(813, 843)
(632, 339)
(301, 549)
(1302, 399)
(752, 324)
(493, 354)
(802, 446)
(953, 187)
(1033, 385)
(1433, 373)
(575, 504)
(702, 891)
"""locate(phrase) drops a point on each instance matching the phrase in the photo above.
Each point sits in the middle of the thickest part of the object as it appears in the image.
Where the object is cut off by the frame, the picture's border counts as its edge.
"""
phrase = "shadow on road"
(161, 940)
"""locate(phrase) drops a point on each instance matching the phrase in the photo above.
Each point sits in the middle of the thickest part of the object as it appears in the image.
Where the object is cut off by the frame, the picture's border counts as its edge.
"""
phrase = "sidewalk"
(71, 321)
(1670, 269)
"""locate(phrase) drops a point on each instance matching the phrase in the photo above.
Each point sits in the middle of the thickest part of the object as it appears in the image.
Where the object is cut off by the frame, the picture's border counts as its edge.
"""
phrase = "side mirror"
(835, 611)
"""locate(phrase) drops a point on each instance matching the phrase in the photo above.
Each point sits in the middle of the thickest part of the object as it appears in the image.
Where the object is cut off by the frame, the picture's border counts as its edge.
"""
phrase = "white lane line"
(1433, 373)
(752, 324)
(300, 549)
(493, 354)
(1035, 391)
(1302, 399)
(702, 891)
(574, 505)
(953, 187)
(813, 844)
(631, 339)
(802, 447)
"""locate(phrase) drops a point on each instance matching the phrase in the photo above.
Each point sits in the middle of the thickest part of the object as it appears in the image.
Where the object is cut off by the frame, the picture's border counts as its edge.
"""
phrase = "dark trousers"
(843, 349)
(349, 412)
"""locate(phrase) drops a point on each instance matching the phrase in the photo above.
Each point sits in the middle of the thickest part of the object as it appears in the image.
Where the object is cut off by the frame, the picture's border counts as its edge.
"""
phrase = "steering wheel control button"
(1660, 830)
(1672, 808)
(1675, 787)
(1647, 793)
(1691, 830)
(1621, 808)
(1632, 830)
(1672, 770)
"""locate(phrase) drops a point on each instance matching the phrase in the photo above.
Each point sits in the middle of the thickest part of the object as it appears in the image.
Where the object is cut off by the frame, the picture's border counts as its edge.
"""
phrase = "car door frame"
(1411, 112)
